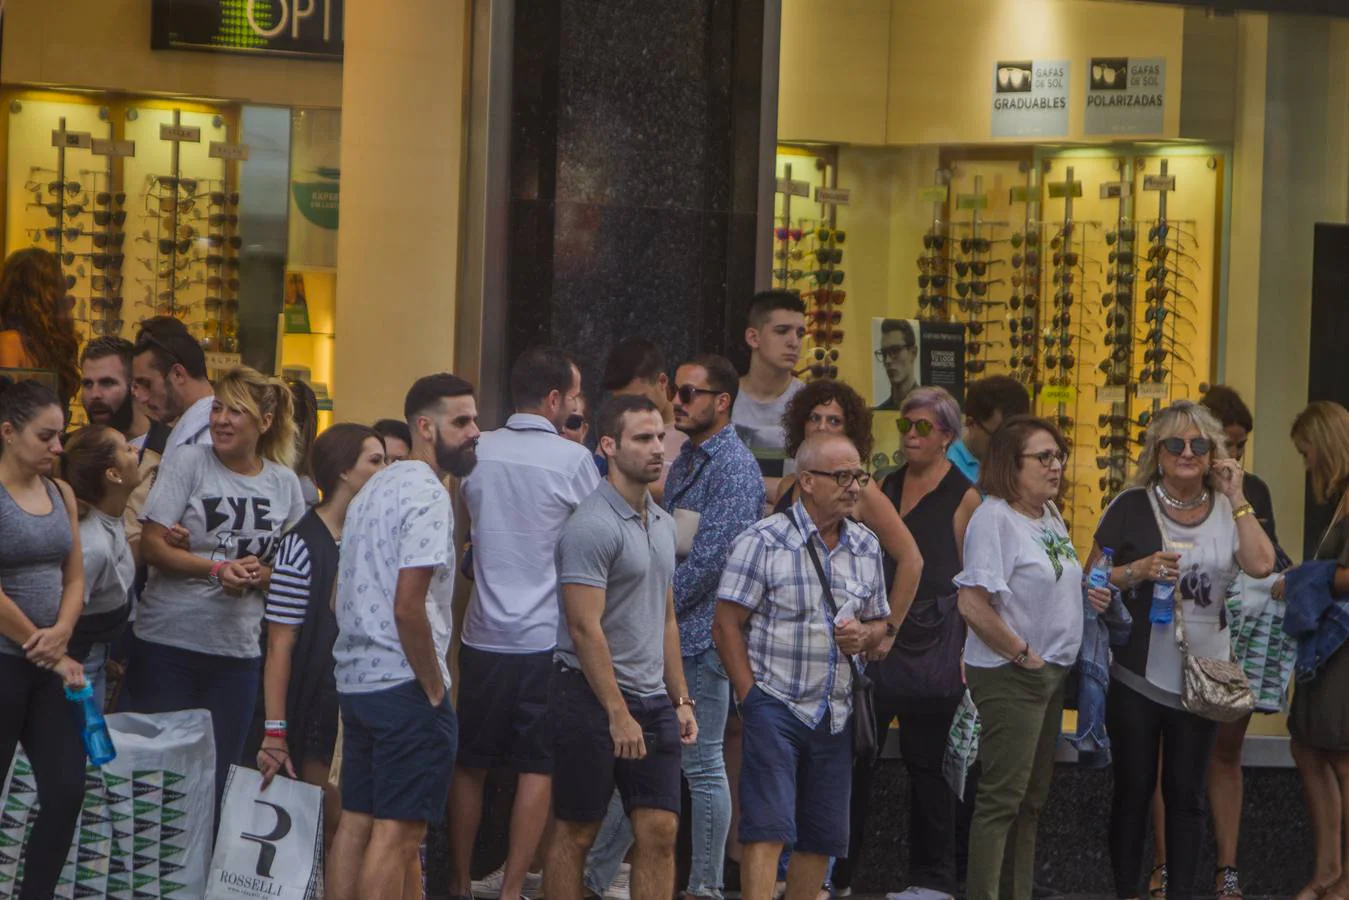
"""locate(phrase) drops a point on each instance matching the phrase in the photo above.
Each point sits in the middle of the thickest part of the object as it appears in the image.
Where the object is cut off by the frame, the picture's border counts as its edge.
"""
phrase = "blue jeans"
(95, 672)
(163, 679)
(611, 845)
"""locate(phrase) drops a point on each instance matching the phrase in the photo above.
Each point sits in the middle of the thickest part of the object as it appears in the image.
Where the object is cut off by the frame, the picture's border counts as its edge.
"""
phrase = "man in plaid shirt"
(786, 656)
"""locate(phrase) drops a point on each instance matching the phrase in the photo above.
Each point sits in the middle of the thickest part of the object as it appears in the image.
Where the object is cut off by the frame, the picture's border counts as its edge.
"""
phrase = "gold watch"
(686, 701)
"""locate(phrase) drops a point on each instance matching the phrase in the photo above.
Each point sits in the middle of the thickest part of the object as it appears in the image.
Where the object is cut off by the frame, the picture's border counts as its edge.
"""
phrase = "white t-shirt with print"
(1032, 573)
(401, 519)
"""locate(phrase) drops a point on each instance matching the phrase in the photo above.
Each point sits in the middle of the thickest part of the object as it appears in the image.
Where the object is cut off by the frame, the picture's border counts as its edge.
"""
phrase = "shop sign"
(1125, 96)
(1030, 98)
(832, 196)
(105, 147)
(190, 134)
(304, 29)
(1058, 394)
(72, 140)
(232, 152)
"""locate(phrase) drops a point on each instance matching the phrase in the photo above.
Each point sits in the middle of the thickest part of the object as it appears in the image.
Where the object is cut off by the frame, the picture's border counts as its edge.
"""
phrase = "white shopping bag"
(962, 746)
(270, 843)
(145, 830)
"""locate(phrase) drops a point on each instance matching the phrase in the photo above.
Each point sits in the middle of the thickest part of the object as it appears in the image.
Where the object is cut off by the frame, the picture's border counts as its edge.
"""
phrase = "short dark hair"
(537, 373)
(1227, 405)
(890, 326)
(429, 390)
(856, 414)
(169, 343)
(335, 451)
(110, 345)
(721, 375)
(610, 420)
(1002, 464)
(632, 358)
(393, 428)
(765, 303)
(996, 394)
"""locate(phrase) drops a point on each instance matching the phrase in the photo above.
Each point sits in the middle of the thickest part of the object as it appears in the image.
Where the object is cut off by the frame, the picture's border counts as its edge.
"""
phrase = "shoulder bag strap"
(1177, 606)
(824, 582)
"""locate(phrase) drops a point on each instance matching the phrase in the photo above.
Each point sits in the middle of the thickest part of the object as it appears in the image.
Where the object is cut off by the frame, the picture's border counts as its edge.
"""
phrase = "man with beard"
(394, 598)
(529, 479)
(619, 705)
(169, 380)
(714, 491)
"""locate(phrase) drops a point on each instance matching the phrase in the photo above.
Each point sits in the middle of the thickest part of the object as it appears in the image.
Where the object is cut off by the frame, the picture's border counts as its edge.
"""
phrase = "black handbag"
(865, 744)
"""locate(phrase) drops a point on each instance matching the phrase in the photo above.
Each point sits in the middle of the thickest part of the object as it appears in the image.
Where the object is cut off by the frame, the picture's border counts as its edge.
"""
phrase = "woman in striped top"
(301, 627)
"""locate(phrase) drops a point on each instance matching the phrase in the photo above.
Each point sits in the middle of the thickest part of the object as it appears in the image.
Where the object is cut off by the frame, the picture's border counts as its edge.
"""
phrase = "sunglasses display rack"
(934, 268)
(974, 278)
(1023, 304)
(1117, 304)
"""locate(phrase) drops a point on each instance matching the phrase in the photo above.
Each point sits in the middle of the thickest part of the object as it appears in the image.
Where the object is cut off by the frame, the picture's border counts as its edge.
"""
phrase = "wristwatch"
(890, 629)
(686, 701)
(1021, 658)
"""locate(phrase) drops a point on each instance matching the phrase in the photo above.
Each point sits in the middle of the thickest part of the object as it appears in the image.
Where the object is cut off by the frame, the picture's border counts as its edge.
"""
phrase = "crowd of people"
(708, 619)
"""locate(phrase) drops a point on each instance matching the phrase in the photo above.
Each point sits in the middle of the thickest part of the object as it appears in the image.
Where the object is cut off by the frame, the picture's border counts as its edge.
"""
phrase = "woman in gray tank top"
(41, 597)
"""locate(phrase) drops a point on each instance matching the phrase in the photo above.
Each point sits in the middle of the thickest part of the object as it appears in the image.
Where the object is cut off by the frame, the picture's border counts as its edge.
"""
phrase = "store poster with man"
(908, 354)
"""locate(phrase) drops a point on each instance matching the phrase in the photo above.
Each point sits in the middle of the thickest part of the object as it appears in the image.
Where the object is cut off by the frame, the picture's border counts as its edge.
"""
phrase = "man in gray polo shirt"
(618, 703)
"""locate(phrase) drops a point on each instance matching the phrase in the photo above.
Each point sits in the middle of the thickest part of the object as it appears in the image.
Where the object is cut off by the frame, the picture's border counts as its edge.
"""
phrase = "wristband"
(274, 724)
(214, 575)
(1244, 509)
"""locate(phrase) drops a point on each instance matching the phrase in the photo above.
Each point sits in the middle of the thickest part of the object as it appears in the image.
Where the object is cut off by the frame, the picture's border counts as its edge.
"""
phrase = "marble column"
(635, 150)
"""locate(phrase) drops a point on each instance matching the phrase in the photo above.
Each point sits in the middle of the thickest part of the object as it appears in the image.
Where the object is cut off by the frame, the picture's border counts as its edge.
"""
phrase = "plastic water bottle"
(97, 741)
(1099, 577)
(1161, 611)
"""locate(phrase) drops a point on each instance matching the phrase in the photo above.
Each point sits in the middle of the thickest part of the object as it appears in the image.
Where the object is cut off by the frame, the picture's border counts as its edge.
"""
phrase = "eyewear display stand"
(1023, 320)
(1115, 427)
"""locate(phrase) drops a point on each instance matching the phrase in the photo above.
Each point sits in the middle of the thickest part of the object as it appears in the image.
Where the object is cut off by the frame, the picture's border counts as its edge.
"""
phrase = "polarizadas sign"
(1126, 96)
(1030, 98)
(306, 29)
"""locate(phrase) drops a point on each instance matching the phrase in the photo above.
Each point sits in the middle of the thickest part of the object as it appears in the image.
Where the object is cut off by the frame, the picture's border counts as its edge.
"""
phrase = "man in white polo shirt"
(528, 481)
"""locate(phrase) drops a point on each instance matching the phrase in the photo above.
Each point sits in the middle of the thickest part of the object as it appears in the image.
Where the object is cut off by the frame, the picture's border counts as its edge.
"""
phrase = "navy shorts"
(397, 754)
(795, 782)
(587, 770)
(503, 710)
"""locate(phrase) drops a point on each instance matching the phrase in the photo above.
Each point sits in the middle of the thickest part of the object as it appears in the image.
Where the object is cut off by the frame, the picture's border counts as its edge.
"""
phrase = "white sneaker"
(621, 887)
(919, 893)
(489, 888)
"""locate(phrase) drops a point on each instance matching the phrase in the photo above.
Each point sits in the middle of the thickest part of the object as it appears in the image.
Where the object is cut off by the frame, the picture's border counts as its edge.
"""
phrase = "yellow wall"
(106, 44)
(398, 244)
(933, 81)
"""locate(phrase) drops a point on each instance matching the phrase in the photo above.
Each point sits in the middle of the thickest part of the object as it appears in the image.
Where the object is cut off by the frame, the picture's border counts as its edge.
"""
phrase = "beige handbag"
(1214, 689)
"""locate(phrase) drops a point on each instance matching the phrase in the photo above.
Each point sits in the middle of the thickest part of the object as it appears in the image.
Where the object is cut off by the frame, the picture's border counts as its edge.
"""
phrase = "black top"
(1262, 504)
(932, 522)
(311, 668)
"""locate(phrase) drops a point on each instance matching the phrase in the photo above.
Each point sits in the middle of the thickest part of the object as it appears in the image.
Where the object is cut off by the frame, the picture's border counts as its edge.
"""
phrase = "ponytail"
(259, 395)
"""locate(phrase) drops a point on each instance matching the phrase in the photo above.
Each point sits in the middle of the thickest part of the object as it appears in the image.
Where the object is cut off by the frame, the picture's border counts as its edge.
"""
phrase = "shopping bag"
(962, 745)
(145, 830)
(270, 843)
(1259, 643)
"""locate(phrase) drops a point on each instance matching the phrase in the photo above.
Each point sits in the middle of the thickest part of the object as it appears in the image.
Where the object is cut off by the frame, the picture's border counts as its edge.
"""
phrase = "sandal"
(1160, 891)
(1229, 883)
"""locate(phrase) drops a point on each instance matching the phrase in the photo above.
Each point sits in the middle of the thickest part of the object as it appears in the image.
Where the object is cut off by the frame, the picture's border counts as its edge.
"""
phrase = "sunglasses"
(1022, 339)
(827, 335)
(936, 281)
(107, 282)
(1116, 319)
(926, 300)
(1061, 320)
(106, 326)
(234, 241)
(216, 260)
(978, 288)
(823, 355)
(1064, 361)
(1019, 361)
(1030, 258)
(103, 217)
(50, 234)
(215, 283)
(824, 295)
(1063, 298)
(978, 267)
(933, 264)
(1121, 257)
(1176, 445)
(213, 304)
(106, 304)
(1026, 322)
(1030, 301)
(1109, 299)
(782, 234)
(975, 328)
(187, 185)
(222, 219)
(107, 198)
(823, 316)
(1124, 278)
(922, 426)
(974, 348)
(827, 276)
(56, 210)
(789, 274)
(1030, 239)
(784, 255)
(934, 241)
(56, 187)
(221, 198)
(821, 370)
(831, 235)
(1063, 340)
(574, 422)
(975, 365)
(1070, 258)
(977, 245)
(1125, 235)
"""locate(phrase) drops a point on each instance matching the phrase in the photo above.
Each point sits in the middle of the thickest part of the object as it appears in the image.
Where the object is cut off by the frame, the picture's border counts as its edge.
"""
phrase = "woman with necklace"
(1021, 596)
(1185, 484)
(299, 691)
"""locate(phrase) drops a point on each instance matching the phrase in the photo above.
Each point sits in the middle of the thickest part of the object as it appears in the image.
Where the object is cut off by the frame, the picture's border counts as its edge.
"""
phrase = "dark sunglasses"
(687, 393)
(574, 422)
(978, 267)
(1126, 235)
(1199, 446)
(922, 426)
(1017, 300)
(1030, 239)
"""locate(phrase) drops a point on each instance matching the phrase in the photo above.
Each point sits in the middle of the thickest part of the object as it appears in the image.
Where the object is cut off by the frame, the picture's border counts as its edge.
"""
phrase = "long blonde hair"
(1324, 425)
(259, 395)
(1168, 423)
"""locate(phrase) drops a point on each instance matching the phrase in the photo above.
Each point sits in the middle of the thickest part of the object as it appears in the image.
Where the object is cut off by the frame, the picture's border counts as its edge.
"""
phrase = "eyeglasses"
(844, 477)
(782, 234)
(922, 426)
(1047, 458)
(830, 235)
(885, 354)
(1199, 446)
(978, 267)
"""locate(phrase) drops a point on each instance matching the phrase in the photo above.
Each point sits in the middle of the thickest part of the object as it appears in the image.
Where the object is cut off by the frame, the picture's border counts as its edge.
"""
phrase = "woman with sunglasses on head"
(919, 682)
(299, 690)
(1020, 594)
(305, 412)
(41, 596)
(196, 638)
(1318, 721)
(103, 470)
(1185, 485)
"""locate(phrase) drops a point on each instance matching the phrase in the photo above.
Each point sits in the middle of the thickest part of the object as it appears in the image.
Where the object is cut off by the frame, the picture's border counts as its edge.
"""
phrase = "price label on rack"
(1159, 182)
(1116, 190)
(104, 147)
(793, 187)
(1019, 194)
(935, 194)
(833, 196)
(1058, 394)
(1060, 189)
(190, 134)
(1153, 391)
(82, 140)
(1111, 393)
(971, 201)
(219, 150)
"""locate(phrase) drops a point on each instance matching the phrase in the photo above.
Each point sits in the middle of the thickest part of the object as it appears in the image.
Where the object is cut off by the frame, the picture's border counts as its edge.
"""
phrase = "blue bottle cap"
(83, 693)
(1106, 551)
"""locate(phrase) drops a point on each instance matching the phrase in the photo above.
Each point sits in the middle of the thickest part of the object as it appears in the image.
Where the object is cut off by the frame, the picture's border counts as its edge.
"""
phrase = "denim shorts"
(587, 770)
(795, 781)
(397, 754)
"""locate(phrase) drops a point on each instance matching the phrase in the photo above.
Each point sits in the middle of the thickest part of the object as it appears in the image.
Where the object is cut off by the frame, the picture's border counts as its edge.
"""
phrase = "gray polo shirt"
(604, 545)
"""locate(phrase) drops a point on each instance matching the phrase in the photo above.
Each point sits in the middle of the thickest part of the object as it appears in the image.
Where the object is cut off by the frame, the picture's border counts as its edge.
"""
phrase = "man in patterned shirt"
(714, 491)
(786, 655)
(395, 587)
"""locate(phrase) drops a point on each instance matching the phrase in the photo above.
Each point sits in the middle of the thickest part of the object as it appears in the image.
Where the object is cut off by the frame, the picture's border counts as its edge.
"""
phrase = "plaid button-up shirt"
(791, 645)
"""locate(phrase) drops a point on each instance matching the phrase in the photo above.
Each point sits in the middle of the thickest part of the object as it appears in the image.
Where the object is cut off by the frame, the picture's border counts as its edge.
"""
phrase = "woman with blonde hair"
(1319, 719)
(36, 328)
(196, 637)
(1184, 521)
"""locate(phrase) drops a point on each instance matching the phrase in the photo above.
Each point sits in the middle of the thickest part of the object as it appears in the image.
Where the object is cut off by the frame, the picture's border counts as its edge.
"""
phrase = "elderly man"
(784, 640)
